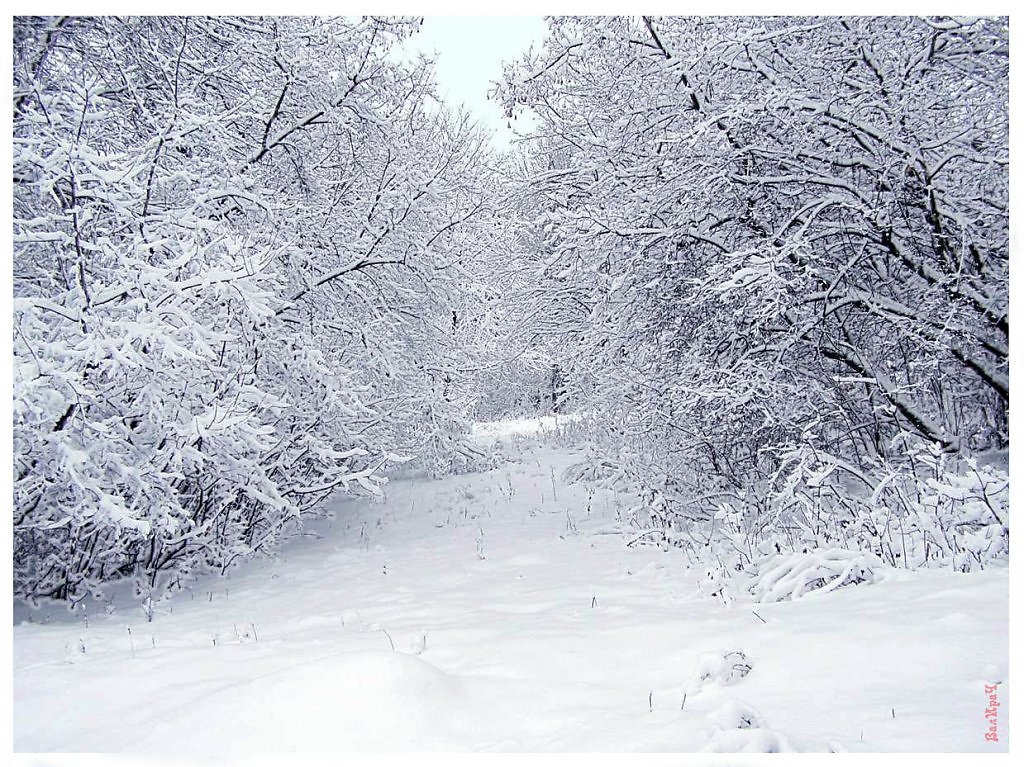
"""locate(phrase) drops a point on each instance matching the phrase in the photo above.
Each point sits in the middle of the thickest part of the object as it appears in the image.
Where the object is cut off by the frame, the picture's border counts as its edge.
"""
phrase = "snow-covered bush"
(923, 507)
(721, 667)
(600, 471)
(791, 576)
(944, 510)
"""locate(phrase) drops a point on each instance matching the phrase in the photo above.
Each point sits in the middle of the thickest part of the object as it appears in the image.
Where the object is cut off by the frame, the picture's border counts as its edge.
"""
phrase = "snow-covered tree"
(237, 243)
(771, 238)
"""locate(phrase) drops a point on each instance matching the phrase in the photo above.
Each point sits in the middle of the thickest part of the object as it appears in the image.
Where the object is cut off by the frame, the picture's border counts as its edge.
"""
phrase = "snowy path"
(559, 638)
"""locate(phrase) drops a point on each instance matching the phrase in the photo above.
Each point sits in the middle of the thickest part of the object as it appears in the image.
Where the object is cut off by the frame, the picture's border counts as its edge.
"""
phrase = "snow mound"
(736, 715)
(993, 673)
(352, 701)
(760, 740)
(720, 667)
(740, 728)
(791, 576)
(418, 642)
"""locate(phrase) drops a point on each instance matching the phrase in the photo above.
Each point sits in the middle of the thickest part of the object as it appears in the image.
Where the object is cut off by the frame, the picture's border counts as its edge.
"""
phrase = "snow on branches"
(765, 237)
(233, 258)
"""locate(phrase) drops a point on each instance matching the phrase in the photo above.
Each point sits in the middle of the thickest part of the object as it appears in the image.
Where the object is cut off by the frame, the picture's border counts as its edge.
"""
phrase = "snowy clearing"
(499, 612)
(739, 289)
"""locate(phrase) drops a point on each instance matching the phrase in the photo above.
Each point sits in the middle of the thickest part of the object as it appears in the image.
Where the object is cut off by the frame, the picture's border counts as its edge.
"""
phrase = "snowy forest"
(754, 269)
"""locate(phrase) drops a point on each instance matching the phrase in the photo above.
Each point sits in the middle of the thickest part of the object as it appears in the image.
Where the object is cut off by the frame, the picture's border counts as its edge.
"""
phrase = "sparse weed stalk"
(570, 523)
(480, 543)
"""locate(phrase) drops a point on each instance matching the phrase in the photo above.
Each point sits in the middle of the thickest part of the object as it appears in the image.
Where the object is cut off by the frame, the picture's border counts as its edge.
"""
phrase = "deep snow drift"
(502, 611)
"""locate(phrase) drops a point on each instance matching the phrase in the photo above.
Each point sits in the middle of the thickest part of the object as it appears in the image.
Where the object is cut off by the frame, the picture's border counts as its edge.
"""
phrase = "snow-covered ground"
(507, 432)
(499, 611)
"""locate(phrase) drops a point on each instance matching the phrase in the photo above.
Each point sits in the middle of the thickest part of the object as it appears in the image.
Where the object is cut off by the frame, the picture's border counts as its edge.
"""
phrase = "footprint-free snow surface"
(503, 611)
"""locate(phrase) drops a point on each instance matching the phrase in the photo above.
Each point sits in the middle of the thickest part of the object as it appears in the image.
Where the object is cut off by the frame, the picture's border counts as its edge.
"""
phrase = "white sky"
(470, 51)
